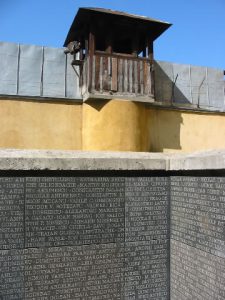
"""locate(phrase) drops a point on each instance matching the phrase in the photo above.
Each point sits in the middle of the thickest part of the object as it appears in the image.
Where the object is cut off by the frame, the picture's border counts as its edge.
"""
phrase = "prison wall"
(41, 107)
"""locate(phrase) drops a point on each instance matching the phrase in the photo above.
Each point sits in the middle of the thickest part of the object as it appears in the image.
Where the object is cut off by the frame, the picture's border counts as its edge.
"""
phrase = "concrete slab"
(80, 160)
(11, 159)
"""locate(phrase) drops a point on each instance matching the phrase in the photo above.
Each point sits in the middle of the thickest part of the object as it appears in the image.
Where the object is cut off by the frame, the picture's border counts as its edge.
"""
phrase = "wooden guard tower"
(115, 53)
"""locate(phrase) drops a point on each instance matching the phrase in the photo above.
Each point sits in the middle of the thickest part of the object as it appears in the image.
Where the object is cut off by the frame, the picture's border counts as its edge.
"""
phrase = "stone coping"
(11, 159)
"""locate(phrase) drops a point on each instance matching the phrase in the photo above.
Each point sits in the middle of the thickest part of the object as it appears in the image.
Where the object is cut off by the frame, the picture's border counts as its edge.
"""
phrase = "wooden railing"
(116, 75)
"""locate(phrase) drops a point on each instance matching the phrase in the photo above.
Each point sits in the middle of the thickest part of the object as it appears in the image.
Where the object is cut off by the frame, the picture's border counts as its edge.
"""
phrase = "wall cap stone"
(11, 159)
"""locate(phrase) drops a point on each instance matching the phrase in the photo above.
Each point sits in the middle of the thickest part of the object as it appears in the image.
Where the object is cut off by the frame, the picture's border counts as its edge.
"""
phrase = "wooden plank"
(149, 88)
(120, 55)
(133, 78)
(151, 72)
(152, 80)
(91, 44)
(125, 79)
(135, 42)
(130, 76)
(141, 77)
(114, 86)
(145, 78)
(87, 73)
(93, 75)
(109, 73)
(97, 73)
(105, 73)
(109, 42)
(101, 75)
(136, 77)
(120, 75)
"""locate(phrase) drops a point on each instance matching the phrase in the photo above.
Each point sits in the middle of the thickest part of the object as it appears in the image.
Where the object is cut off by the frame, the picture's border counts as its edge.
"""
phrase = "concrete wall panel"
(8, 68)
(54, 73)
(190, 85)
(30, 70)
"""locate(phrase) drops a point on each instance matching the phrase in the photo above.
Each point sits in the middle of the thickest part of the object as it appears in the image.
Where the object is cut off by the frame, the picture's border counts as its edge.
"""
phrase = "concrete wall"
(107, 125)
(188, 85)
(29, 70)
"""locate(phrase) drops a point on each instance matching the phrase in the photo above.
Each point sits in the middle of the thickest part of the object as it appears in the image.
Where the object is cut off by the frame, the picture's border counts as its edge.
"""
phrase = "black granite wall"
(197, 238)
(84, 237)
(112, 237)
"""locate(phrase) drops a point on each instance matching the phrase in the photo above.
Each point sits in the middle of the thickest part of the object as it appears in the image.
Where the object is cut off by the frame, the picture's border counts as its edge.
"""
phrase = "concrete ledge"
(80, 160)
(207, 160)
(11, 159)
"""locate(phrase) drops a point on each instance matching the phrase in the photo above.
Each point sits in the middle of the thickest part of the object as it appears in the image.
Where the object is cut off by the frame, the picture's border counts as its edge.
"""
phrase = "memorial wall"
(147, 228)
(72, 237)
(197, 237)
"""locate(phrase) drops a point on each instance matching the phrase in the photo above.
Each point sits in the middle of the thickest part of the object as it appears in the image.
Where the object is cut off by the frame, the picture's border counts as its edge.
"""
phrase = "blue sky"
(196, 37)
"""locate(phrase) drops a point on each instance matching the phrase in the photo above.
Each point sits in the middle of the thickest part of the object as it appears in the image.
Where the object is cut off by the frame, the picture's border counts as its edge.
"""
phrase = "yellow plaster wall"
(180, 131)
(40, 125)
(115, 125)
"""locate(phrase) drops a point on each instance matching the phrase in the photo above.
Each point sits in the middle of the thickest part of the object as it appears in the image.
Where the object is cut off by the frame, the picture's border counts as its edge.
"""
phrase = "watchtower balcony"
(115, 53)
(116, 76)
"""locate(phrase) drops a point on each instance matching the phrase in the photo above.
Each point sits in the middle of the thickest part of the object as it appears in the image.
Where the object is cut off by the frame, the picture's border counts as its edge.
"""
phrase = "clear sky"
(196, 37)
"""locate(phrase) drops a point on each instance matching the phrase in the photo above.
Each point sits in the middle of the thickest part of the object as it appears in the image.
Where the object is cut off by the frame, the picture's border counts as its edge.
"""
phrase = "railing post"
(91, 55)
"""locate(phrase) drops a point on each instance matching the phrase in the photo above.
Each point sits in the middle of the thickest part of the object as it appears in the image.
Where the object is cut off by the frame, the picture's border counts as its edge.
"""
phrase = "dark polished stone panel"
(85, 238)
(198, 212)
(147, 238)
(11, 212)
(196, 274)
(80, 272)
(147, 209)
(147, 270)
(12, 274)
(74, 210)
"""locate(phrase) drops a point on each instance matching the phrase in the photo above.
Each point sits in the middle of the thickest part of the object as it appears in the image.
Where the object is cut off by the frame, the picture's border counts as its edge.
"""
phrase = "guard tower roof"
(119, 23)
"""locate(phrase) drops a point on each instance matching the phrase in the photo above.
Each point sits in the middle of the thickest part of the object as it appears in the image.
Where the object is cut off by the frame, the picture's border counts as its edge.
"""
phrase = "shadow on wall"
(167, 84)
(195, 86)
(165, 126)
(97, 104)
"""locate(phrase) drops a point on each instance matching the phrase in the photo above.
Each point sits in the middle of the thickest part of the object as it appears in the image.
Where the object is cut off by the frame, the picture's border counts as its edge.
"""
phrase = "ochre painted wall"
(39, 125)
(115, 125)
(182, 131)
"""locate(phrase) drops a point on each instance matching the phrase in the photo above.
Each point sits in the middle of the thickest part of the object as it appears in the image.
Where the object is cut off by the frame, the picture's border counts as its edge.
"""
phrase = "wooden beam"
(150, 50)
(151, 59)
(91, 51)
(109, 40)
(114, 74)
(135, 43)
(91, 44)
